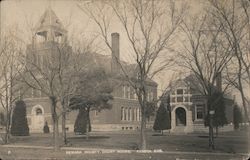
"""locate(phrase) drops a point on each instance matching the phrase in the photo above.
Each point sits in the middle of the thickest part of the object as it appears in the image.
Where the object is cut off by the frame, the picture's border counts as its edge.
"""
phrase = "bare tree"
(56, 77)
(72, 64)
(10, 52)
(206, 53)
(54, 73)
(234, 17)
(149, 27)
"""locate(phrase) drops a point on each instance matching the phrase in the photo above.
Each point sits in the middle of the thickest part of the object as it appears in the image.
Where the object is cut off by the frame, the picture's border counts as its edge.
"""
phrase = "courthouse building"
(125, 112)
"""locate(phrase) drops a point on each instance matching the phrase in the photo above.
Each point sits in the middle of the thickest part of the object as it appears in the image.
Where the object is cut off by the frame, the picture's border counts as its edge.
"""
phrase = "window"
(179, 91)
(150, 96)
(134, 115)
(138, 114)
(179, 99)
(135, 96)
(124, 91)
(39, 111)
(185, 91)
(125, 114)
(128, 92)
(186, 99)
(129, 114)
(96, 113)
(122, 113)
(199, 111)
(173, 99)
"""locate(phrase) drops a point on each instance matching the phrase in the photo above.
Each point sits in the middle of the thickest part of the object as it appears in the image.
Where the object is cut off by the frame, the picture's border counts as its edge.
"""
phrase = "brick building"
(125, 112)
(189, 107)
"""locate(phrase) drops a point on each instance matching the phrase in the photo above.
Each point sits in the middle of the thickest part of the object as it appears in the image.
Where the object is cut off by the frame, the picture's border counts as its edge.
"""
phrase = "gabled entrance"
(181, 119)
(37, 119)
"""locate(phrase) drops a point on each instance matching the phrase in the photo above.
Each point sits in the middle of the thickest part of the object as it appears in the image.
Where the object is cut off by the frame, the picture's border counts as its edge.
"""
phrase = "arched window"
(122, 113)
(124, 91)
(129, 114)
(135, 114)
(125, 114)
(138, 114)
(39, 111)
(128, 92)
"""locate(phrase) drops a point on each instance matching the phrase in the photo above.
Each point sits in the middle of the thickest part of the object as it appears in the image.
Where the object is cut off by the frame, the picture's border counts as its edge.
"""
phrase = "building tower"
(49, 41)
(48, 35)
(49, 28)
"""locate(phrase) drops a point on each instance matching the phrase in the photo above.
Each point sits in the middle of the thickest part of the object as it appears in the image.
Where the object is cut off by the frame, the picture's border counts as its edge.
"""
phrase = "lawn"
(231, 142)
(190, 146)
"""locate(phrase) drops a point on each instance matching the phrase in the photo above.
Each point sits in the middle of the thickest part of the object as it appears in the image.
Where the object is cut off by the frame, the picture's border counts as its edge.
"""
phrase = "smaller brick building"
(189, 108)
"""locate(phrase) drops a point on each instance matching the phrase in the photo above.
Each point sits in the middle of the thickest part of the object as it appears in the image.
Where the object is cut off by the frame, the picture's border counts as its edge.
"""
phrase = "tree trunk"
(217, 131)
(55, 123)
(64, 135)
(56, 140)
(7, 129)
(143, 130)
(87, 124)
(242, 94)
(244, 102)
(211, 133)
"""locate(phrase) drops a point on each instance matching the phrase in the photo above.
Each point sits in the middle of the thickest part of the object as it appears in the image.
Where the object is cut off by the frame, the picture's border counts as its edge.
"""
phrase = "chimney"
(218, 82)
(115, 53)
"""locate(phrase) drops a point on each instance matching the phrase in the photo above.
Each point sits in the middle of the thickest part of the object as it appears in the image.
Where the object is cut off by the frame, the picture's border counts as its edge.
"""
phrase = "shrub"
(237, 117)
(82, 118)
(162, 120)
(19, 126)
(46, 128)
(2, 119)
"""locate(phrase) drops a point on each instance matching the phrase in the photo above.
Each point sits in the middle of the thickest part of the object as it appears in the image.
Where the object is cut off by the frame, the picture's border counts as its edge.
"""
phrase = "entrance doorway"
(180, 116)
(37, 118)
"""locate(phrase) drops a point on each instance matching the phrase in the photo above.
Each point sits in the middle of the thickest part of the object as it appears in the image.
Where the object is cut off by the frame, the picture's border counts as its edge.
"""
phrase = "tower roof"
(49, 20)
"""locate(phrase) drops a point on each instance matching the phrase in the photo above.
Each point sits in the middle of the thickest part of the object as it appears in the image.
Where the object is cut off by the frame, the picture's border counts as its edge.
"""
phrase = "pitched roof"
(49, 19)
(104, 61)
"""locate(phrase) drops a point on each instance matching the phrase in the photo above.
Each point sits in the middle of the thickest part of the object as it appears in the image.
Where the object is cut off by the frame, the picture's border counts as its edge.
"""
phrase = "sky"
(26, 13)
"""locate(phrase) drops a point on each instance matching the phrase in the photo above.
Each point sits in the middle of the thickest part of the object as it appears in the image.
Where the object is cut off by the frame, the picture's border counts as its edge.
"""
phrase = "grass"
(231, 142)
